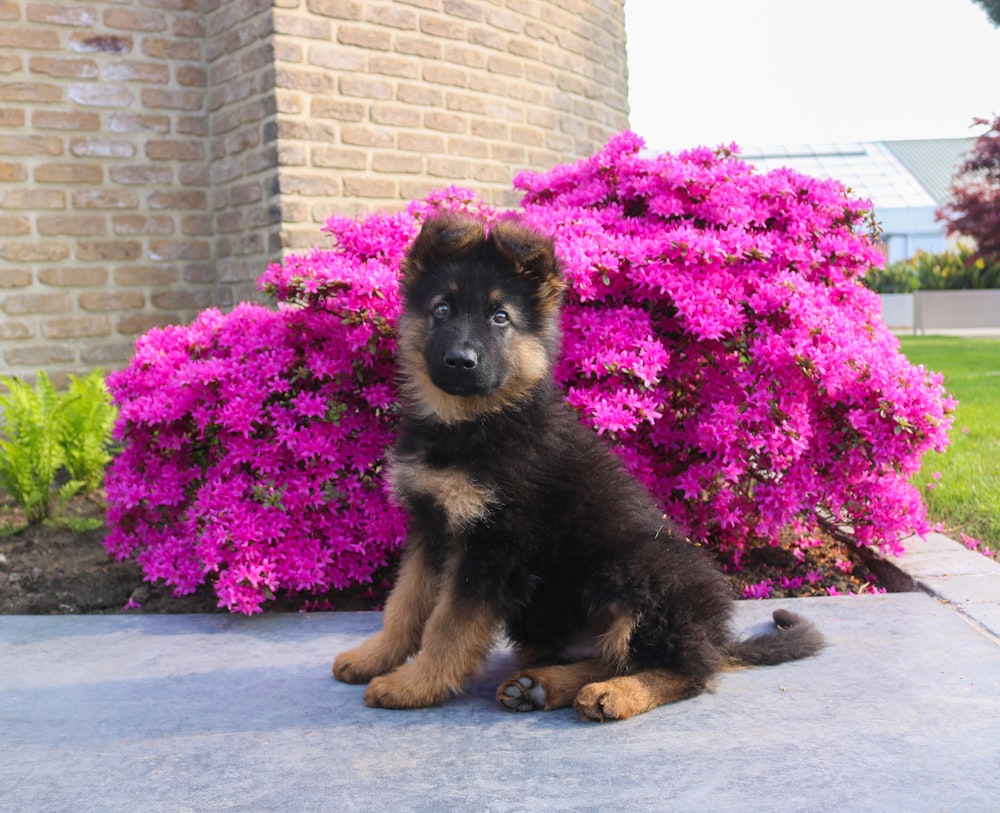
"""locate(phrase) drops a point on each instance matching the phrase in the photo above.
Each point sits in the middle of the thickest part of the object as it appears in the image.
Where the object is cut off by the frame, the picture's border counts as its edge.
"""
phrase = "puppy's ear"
(531, 253)
(441, 237)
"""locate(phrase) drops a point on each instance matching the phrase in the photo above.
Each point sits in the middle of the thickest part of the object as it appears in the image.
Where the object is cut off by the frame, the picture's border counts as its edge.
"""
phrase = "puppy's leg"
(550, 687)
(627, 695)
(456, 640)
(406, 612)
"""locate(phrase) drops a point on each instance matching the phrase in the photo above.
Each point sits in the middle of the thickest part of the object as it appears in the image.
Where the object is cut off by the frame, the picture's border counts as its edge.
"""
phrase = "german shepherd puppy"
(522, 521)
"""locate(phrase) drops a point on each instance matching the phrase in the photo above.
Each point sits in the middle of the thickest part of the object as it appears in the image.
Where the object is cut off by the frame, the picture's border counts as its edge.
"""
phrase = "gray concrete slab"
(180, 713)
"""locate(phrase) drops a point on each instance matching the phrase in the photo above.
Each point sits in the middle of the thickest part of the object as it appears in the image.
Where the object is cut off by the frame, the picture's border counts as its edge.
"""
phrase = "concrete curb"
(964, 579)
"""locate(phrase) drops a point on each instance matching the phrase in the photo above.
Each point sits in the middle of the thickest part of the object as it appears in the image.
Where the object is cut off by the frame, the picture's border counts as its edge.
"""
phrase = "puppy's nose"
(461, 358)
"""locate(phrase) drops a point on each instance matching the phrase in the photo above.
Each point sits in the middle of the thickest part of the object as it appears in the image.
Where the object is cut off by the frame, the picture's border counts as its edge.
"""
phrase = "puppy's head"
(479, 331)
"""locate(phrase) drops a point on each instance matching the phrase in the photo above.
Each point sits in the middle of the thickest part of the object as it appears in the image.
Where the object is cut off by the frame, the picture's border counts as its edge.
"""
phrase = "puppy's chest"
(463, 497)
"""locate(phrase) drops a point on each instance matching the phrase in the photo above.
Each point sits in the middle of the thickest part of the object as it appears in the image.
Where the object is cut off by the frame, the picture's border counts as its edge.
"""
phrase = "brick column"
(155, 155)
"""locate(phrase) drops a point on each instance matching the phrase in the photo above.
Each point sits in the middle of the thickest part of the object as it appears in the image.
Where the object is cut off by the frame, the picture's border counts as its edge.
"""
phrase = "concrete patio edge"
(964, 579)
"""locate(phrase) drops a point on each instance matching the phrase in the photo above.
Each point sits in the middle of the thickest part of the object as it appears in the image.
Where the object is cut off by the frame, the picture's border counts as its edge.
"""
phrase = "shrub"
(716, 332)
(896, 278)
(974, 208)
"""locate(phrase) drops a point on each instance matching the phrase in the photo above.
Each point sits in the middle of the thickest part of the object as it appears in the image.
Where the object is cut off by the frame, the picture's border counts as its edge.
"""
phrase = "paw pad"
(522, 694)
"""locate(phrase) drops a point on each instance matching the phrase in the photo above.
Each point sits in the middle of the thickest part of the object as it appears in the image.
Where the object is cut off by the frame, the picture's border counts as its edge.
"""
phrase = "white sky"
(770, 72)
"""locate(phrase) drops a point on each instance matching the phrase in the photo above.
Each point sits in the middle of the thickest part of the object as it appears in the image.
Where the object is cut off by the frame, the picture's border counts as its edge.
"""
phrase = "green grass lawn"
(967, 497)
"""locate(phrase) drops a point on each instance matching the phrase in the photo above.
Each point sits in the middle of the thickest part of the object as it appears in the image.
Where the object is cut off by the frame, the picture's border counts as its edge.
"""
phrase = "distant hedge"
(948, 271)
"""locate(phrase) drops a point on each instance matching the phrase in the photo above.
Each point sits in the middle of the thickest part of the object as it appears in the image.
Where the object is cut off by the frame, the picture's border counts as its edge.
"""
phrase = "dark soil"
(55, 568)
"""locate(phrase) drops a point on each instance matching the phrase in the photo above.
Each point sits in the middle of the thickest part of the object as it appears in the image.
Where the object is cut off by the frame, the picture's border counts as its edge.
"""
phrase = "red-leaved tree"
(974, 209)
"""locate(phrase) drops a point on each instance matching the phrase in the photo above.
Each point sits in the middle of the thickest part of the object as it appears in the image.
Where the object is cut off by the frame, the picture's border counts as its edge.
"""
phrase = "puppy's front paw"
(353, 667)
(395, 691)
(599, 702)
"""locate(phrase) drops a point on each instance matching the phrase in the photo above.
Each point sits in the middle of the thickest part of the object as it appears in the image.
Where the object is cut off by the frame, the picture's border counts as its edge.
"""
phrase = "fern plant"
(30, 425)
(86, 431)
(46, 435)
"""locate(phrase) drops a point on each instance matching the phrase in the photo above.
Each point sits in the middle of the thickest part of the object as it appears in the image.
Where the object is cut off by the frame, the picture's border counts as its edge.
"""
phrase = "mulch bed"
(56, 569)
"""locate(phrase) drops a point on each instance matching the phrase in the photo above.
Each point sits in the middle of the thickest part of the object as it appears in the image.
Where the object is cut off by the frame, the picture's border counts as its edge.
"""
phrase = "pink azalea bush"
(715, 331)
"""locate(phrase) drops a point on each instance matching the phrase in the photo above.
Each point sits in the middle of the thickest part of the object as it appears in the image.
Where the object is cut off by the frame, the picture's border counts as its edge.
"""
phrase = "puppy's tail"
(792, 638)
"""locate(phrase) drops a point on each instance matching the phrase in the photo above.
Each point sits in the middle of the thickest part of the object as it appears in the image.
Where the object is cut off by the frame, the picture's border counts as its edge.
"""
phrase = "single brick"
(32, 199)
(69, 173)
(102, 301)
(15, 277)
(61, 14)
(440, 167)
(395, 115)
(135, 324)
(18, 38)
(179, 250)
(339, 109)
(122, 71)
(392, 17)
(200, 225)
(448, 122)
(36, 251)
(131, 20)
(170, 150)
(75, 327)
(72, 225)
(107, 250)
(12, 172)
(98, 147)
(105, 199)
(16, 329)
(71, 276)
(338, 158)
(368, 88)
(22, 304)
(141, 174)
(421, 95)
(142, 224)
(63, 68)
(139, 123)
(365, 187)
(39, 355)
(340, 9)
(30, 92)
(421, 142)
(397, 163)
(82, 41)
(373, 39)
(99, 95)
(173, 99)
(12, 225)
(65, 120)
(182, 299)
(172, 49)
(106, 354)
(153, 275)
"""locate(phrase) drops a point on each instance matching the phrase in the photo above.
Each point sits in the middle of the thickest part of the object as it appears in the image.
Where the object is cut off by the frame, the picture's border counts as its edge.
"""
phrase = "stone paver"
(179, 713)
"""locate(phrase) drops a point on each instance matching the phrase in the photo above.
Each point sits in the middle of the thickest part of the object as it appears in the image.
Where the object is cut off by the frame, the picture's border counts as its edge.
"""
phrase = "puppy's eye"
(501, 317)
(442, 310)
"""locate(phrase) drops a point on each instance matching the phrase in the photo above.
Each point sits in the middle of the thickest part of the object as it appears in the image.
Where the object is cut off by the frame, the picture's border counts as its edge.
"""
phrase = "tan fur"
(464, 501)
(613, 644)
(625, 696)
(406, 612)
(456, 641)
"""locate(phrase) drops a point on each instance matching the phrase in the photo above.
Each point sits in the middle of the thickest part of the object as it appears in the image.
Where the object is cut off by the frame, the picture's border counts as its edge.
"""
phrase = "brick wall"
(156, 154)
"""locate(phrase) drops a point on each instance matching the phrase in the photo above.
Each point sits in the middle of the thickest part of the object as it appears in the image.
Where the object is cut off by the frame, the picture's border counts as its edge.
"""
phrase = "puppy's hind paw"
(522, 693)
